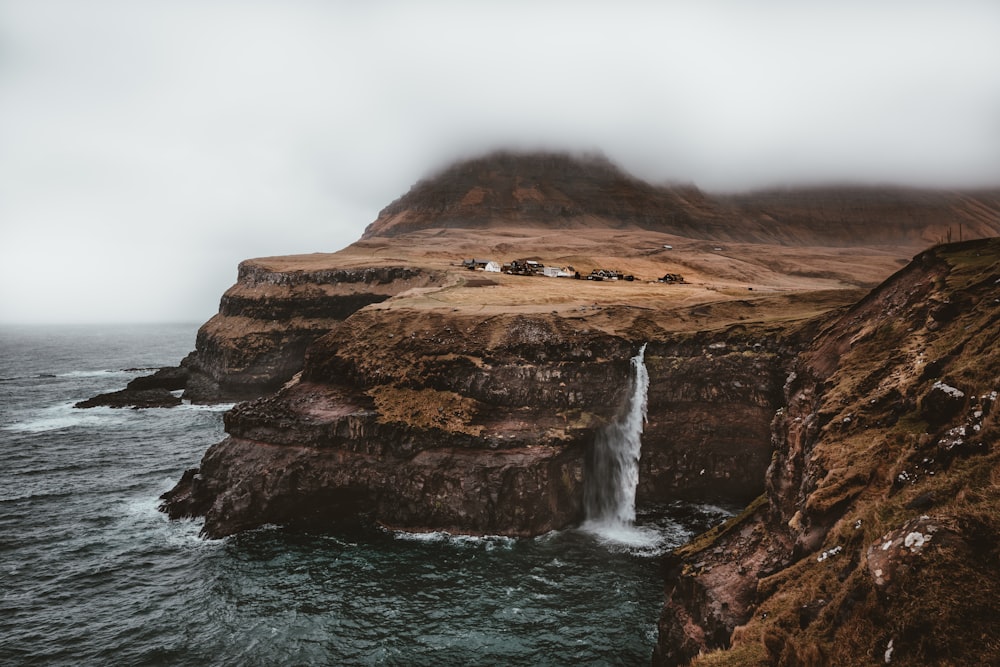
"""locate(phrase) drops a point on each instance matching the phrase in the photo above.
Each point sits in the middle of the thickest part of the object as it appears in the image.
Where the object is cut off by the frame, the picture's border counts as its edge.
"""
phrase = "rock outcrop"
(279, 305)
(431, 420)
(876, 540)
(388, 384)
(132, 398)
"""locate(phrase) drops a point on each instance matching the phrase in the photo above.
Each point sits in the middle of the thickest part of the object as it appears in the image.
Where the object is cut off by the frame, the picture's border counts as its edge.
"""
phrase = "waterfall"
(613, 474)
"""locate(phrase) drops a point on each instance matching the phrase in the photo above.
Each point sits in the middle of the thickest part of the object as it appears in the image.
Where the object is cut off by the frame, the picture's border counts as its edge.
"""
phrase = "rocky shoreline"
(417, 395)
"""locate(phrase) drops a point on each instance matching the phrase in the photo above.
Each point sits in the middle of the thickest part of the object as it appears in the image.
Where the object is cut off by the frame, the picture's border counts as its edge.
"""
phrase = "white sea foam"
(641, 540)
(94, 374)
(65, 416)
(203, 407)
(143, 515)
(489, 542)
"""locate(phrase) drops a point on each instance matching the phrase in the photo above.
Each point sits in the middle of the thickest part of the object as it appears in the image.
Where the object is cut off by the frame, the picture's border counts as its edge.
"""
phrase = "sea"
(91, 573)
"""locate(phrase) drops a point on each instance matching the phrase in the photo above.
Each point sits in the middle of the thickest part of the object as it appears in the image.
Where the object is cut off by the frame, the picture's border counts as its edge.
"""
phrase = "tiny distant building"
(567, 272)
(481, 265)
(609, 274)
(526, 267)
(556, 272)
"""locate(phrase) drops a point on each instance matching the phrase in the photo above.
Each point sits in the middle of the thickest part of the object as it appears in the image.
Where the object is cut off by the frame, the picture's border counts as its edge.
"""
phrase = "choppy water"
(91, 573)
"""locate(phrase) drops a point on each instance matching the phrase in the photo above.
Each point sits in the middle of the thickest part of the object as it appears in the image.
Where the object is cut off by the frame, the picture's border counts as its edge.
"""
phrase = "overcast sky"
(147, 146)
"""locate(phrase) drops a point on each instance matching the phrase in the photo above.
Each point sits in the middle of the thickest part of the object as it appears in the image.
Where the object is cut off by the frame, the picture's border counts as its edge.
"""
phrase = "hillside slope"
(562, 191)
(877, 539)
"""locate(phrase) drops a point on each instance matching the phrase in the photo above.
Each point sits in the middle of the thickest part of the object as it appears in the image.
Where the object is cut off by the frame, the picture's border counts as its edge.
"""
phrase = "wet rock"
(171, 378)
(132, 398)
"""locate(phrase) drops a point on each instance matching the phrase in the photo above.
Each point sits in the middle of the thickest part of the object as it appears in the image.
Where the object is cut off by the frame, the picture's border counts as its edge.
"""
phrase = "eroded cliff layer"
(277, 307)
(436, 419)
(508, 205)
(877, 538)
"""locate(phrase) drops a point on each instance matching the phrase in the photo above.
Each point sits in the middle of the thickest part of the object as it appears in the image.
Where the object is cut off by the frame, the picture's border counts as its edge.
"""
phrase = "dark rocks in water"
(147, 391)
(132, 398)
(171, 378)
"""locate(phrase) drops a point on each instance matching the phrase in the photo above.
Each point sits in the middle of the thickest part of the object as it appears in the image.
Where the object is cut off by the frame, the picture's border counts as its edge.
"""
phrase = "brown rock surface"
(425, 396)
(879, 526)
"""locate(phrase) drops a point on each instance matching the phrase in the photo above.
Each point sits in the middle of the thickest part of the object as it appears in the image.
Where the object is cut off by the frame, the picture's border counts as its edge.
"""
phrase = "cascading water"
(613, 473)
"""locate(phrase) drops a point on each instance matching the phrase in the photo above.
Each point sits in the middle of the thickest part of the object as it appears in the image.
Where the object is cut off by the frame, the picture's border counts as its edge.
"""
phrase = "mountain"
(554, 190)
(563, 191)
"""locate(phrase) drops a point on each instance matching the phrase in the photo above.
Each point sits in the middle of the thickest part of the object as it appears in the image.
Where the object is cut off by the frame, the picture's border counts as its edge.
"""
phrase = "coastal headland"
(816, 356)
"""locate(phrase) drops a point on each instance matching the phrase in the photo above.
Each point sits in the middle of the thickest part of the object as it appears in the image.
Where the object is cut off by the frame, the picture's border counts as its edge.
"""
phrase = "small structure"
(556, 272)
(609, 274)
(481, 265)
(671, 278)
(526, 267)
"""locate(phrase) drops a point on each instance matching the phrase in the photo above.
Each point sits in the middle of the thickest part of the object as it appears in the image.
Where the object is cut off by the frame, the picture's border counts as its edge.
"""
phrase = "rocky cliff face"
(441, 420)
(277, 307)
(877, 537)
(393, 386)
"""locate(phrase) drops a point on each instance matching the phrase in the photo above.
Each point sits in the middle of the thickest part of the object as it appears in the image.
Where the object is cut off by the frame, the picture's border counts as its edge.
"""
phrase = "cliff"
(445, 421)
(876, 539)
(277, 307)
(390, 384)
(513, 205)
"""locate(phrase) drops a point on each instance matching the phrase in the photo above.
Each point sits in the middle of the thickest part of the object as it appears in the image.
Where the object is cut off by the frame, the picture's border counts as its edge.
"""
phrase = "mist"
(146, 148)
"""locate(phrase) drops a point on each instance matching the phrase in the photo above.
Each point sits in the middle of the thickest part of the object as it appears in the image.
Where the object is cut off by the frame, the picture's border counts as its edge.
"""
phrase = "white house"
(492, 266)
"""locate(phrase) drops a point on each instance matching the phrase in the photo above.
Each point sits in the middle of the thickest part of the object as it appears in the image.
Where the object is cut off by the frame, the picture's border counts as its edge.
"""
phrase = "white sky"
(147, 146)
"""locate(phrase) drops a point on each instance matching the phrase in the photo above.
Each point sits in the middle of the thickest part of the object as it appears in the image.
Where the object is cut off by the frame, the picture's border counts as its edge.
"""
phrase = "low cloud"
(145, 148)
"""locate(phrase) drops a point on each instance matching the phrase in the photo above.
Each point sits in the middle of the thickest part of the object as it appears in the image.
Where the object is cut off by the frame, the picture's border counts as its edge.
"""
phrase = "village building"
(609, 274)
(481, 265)
(556, 272)
(526, 267)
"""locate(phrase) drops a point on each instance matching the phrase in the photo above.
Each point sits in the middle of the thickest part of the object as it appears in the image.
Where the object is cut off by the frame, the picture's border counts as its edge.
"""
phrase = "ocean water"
(91, 572)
